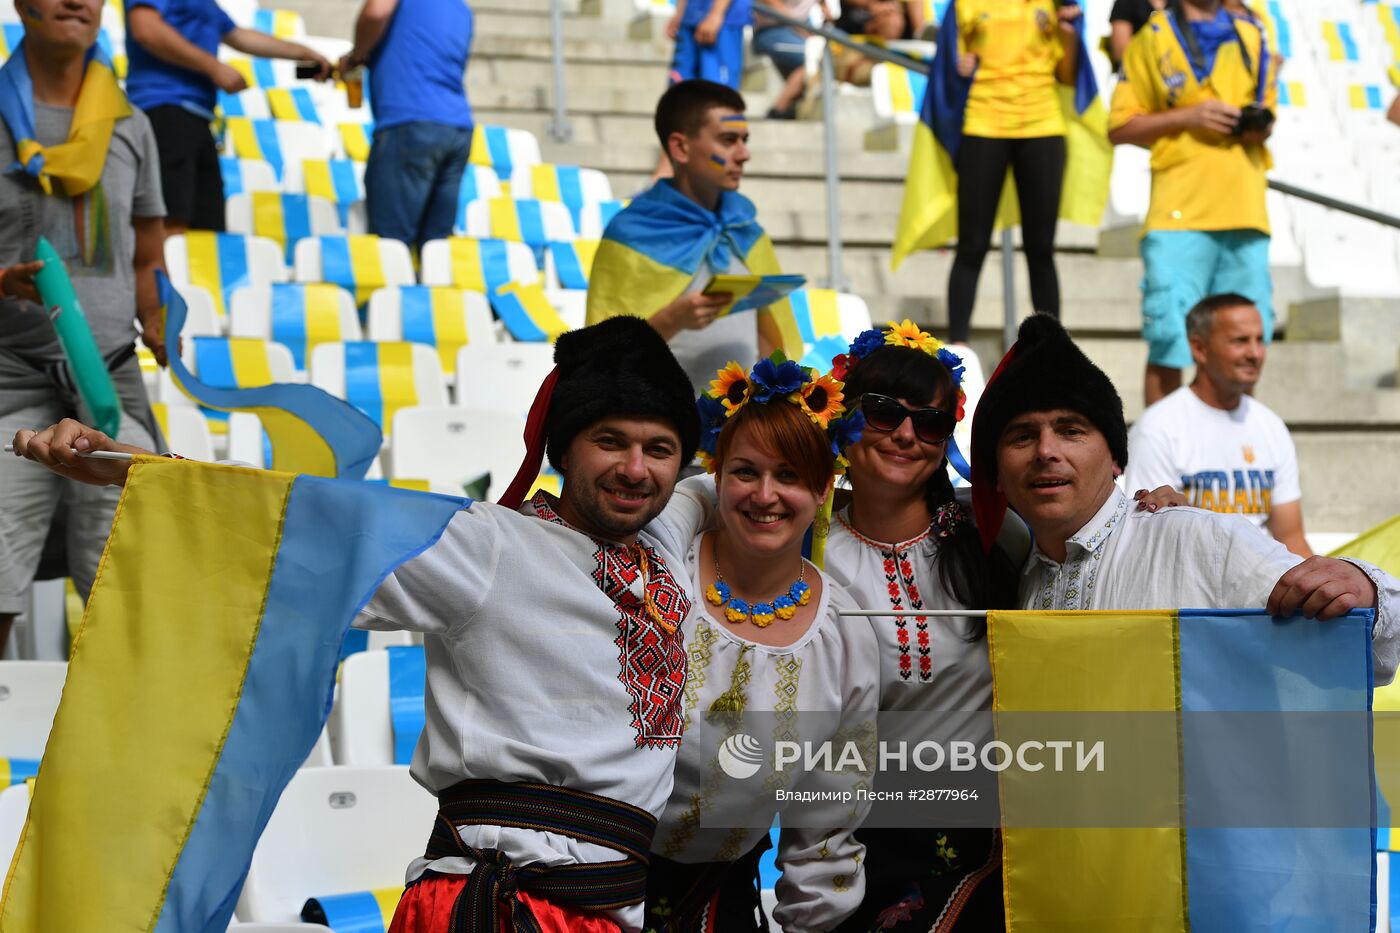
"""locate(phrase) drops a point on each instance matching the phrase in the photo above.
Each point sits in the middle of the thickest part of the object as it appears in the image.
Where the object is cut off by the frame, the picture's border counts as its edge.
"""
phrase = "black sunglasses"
(885, 414)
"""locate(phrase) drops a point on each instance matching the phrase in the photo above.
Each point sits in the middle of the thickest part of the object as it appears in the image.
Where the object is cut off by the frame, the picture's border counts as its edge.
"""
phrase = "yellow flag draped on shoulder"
(654, 248)
(76, 163)
(928, 217)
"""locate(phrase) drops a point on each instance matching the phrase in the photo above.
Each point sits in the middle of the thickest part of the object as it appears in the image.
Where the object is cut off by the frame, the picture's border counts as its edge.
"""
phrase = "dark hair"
(975, 578)
(1200, 320)
(784, 431)
(685, 105)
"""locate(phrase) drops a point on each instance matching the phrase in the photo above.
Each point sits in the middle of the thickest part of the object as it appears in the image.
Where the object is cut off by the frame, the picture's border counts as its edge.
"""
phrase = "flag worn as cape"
(653, 249)
(1236, 785)
(928, 217)
(76, 163)
(311, 431)
(199, 683)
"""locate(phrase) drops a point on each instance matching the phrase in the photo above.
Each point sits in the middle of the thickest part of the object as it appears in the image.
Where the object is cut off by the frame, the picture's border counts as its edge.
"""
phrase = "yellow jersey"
(1201, 180)
(1018, 45)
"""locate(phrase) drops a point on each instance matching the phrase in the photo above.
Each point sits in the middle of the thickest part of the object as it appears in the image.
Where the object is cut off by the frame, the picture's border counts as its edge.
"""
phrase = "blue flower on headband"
(776, 379)
(867, 342)
(711, 422)
(954, 363)
(846, 431)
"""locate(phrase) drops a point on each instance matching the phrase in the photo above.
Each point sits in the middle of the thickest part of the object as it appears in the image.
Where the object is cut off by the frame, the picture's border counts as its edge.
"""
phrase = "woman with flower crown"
(769, 660)
(905, 542)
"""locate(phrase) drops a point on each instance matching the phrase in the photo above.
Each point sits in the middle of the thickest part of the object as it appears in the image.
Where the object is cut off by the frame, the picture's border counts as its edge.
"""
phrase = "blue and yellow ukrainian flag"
(312, 431)
(527, 313)
(174, 740)
(77, 161)
(1196, 704)
(928, 218)
(653, 249)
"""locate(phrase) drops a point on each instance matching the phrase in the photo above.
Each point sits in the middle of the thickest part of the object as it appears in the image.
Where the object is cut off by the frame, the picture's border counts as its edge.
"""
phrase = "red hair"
(784, 432)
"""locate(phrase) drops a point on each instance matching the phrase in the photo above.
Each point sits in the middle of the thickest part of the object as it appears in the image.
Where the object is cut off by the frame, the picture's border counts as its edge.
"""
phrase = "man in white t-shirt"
(1212, 440)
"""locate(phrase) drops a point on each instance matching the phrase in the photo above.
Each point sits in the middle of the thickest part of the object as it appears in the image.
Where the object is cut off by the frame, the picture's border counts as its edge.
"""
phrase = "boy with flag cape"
(1009, 89)
(79, 170)
(659, 253)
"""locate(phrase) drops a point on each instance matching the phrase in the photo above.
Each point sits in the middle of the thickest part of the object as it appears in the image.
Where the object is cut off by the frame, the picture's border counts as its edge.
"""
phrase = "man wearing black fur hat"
(1049, 439)
(555, 664)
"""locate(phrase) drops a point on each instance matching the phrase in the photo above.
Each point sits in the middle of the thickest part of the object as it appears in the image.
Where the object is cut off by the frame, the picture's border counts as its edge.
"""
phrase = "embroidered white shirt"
(1183, 558)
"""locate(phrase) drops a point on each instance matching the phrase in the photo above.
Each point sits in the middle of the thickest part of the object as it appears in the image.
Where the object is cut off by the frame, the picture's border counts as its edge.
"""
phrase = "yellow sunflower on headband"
(731, 386)
(821, 400)
(908, 334)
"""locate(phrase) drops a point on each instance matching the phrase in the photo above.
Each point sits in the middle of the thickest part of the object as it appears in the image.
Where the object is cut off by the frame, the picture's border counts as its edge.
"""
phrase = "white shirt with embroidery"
(1183, 558)
(832, 671)
(1240, 461)
(542, 666)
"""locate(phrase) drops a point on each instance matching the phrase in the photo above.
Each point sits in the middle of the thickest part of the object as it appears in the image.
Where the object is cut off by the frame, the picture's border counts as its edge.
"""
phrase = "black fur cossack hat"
(620, 366)
(1043, 371)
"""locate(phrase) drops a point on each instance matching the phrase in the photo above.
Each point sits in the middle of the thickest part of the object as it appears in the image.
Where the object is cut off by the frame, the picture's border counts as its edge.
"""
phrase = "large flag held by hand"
(928, 217)
(200, 680)
(311, 431)
(1235, 789)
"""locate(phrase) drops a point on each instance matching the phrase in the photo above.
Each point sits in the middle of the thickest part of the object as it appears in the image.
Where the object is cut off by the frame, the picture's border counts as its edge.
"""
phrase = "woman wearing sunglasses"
(769, 659)
(904, 541)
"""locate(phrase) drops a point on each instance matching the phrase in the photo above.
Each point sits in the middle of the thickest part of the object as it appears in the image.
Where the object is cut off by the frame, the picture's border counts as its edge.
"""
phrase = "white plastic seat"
(186, 432)
(479, 183)
(251, 104)
(1130, 185)
(897, 93)
(244, 175)
(29, 695)
(458, 262)
(395, 261)
(336, 831)
(1283, 244)
(455, 445)
(426, 386)
(201, 319)
(570, 185)
(278, 142)
(595, 216)
(1351, 255)
(262, 261)
(360, 720)
(245, 439)
(505, 377)
(251, 313)
(387, 319)
(503, 148)
(571, 304)
(297, 216)
(532, 222)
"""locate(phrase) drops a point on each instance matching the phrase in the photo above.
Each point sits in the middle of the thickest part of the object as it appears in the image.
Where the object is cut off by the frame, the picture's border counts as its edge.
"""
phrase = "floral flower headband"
(778, 378)
(905, 334)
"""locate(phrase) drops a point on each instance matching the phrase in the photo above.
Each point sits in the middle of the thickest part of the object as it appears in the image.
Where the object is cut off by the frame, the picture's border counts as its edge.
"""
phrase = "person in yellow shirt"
(1014, 51)
(1199, 87)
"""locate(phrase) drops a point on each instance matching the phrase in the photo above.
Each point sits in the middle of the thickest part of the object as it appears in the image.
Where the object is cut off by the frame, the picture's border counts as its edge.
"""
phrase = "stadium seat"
(283, 218)
(359, 264)
(221, 262)
(504, 149)
(284, 24)
(1130, 186)
(336, 830)
(534, 223)
(455, 445)
(361, 725)
(202, 320)
(379, 378)
(250, 104)
(569, 185)
(276, 142)
(504, 377)
(29, 694)
(241, 175)
(353, 140)
(477, 265)
(567, 265)
(186, 432)
(14, 810)
(238, 362)
(340, 181)
(897, 93)
(1349, 254)
(594, 218)
(532, 313)
(298, 316)
(441, 317)
(822, 312)
(261, 72)
(292, 104)
(479, 183)
(1283, 243)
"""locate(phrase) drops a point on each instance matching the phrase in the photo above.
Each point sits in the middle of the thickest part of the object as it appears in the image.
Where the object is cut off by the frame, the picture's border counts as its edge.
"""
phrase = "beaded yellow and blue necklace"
(739, 611)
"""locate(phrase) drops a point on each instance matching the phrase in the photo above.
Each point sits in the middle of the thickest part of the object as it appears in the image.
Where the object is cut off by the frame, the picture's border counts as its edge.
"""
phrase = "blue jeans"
(411, 180)
(784, 45)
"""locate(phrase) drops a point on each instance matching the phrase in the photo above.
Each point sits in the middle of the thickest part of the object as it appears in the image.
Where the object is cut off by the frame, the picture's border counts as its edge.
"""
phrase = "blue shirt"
(153, 82)
(740, 12)
(416, 72)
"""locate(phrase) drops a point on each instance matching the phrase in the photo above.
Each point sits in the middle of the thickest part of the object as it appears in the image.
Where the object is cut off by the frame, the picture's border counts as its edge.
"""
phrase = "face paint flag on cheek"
(718, 163)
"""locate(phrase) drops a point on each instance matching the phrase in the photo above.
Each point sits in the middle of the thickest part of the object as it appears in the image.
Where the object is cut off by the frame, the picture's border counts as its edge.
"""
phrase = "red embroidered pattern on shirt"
(652, 659)
(899, 571)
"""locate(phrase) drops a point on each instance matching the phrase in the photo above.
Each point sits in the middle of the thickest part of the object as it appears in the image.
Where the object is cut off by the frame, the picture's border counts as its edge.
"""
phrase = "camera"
(1254, 118)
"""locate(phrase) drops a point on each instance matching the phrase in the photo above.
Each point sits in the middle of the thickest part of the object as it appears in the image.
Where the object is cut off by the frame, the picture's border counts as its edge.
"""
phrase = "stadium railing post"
(560, 129)
(1008, 290)
(836, 278)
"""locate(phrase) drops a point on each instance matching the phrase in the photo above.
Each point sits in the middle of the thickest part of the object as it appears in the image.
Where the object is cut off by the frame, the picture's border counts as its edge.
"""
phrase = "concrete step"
(538, 46)
(524, 24)
(1348, 478)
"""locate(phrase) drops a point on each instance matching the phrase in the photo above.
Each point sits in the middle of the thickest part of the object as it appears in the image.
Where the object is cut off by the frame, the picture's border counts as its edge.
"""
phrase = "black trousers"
(1038, 166)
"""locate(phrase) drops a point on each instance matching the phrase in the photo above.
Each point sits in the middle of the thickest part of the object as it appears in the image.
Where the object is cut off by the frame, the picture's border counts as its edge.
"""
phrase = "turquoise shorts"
(1180, 267)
